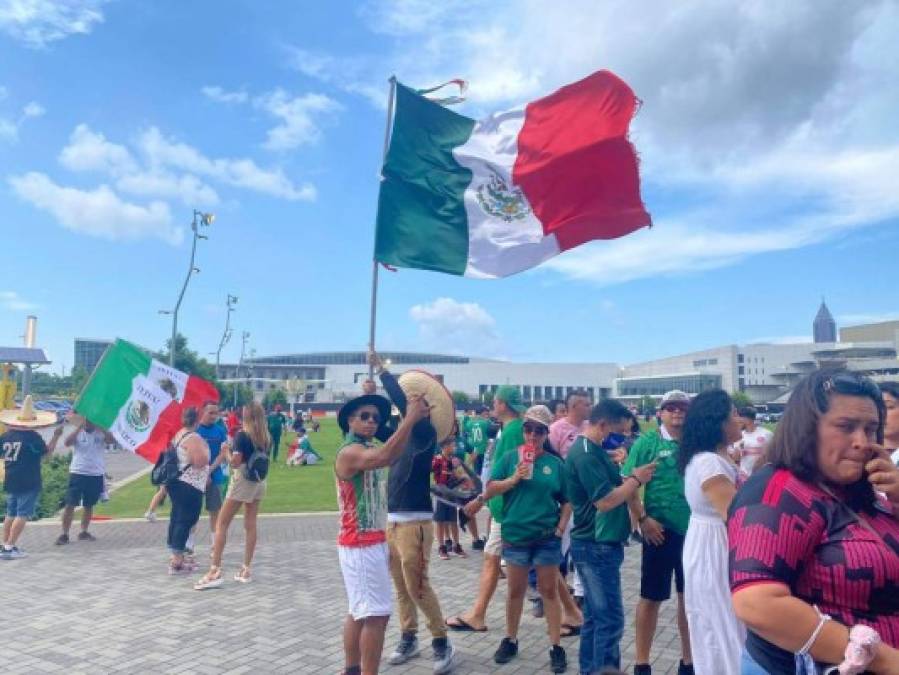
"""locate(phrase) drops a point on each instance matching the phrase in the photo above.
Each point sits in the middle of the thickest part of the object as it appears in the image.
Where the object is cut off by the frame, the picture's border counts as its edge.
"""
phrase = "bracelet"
(480, 499)
(639, 482)
(822, 619)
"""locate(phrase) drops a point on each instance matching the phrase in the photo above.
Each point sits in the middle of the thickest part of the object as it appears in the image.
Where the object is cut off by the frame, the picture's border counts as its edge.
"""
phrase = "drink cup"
(526, 455)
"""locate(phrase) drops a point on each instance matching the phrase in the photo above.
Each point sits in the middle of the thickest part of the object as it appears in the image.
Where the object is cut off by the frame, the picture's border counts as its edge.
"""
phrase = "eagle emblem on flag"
(497, 199)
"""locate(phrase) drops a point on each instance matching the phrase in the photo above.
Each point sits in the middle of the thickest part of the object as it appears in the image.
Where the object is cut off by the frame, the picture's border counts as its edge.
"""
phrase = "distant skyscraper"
(824, 329)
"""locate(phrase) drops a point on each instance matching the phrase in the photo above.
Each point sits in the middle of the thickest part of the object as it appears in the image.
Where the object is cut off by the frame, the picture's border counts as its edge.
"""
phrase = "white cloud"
(90, 151)
(160, 152)
(9, 129)
(300, 116)
(361, 75)
(297, 114)
(159, 183)
(219, 95)
(12, 301)
(99, 212)
(457, 327)
(37, 23)
(33, 109)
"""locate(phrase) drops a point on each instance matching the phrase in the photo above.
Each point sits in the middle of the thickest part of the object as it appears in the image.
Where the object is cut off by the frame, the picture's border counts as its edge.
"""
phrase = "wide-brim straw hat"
(438, 397)
(27, 416)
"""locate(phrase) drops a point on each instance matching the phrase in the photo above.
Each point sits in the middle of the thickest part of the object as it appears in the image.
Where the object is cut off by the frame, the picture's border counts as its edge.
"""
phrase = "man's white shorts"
(494, 544)
(366, 576)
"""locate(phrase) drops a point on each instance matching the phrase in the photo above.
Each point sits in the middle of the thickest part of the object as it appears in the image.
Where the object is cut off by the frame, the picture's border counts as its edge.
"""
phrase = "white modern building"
(334, 376)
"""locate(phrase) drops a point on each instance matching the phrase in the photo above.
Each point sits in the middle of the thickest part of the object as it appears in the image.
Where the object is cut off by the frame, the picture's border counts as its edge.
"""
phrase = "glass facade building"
(656, 386)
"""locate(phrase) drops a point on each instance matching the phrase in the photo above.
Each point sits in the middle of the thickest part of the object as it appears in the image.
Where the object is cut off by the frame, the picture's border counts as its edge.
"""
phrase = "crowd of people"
(783, 548)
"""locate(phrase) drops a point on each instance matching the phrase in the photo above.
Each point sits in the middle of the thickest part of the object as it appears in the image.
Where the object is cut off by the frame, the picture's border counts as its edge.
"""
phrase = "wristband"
(860, 651)
(639, 482)
(480, 499)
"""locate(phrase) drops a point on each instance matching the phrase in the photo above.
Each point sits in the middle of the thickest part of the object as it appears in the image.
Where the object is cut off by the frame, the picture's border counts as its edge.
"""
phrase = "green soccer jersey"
(531, 508)
(663, 496)
(590, 475)
(511, 437)
(478, 434)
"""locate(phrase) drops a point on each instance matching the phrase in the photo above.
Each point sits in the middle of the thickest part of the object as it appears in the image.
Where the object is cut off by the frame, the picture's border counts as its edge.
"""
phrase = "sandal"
(244, 575)
(212, 579)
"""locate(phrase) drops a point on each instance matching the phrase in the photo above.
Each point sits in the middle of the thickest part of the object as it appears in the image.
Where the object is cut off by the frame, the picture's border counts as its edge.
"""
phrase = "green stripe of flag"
(110, 385)
(421, 213)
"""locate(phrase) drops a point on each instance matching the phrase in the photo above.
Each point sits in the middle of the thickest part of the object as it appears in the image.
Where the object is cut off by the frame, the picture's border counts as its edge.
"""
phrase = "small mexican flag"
(139, 399)
(495, 197)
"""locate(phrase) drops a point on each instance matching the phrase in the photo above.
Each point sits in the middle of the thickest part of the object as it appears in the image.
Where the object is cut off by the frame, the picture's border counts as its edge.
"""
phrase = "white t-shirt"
(753, 446)
(89, 453)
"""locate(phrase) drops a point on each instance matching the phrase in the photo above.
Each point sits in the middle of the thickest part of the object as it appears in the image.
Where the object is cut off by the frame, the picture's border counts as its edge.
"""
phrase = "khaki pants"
(410, 553)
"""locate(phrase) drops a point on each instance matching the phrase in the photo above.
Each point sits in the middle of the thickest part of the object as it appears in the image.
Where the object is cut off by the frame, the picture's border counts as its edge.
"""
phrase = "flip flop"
(457, 623)
(569, 631)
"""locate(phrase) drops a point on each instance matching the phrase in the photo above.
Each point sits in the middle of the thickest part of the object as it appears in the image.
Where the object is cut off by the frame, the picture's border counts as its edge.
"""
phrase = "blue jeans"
(599, 567)
(748, 665)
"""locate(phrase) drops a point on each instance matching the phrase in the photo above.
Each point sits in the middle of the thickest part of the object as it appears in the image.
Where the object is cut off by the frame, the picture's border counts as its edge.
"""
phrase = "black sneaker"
(642, 669)
(62, 539)
(685, 668)
(558, 662)
(508, 650)
(405, 650)
(477, 545)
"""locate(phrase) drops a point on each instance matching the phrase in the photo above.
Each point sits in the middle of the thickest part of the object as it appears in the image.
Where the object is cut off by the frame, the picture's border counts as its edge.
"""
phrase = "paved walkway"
(109, 606)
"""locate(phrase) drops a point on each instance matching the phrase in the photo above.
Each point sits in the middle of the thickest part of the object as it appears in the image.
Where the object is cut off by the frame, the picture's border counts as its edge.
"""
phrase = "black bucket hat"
(351, 406)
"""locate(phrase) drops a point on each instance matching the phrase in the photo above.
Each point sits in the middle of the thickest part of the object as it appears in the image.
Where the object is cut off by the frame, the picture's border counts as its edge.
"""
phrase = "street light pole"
(226, 336)
(244, 336)
(206, 220)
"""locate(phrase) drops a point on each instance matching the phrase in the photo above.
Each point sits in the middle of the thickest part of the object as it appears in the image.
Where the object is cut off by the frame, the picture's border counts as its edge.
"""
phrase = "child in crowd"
(448, 471)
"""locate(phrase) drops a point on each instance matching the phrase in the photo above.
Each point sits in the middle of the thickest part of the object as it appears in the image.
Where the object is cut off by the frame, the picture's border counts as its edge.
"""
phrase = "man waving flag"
(491, 198)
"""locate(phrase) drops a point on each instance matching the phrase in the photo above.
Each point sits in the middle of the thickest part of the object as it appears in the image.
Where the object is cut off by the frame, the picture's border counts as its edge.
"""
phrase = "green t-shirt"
(275, 423)
(590, 475)
(531, 508)
(663, 496)
(478, 434)
(511, 437)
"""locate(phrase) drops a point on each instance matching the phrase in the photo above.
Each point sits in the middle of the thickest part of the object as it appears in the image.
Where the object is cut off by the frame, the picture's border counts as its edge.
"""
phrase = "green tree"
(234, 393)
(187, 360)
(647, 405)
(741, 399)
(274, 397)
(460, 398)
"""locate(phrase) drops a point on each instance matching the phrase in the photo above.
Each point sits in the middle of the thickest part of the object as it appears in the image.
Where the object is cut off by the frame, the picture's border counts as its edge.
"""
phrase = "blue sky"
(767, 138)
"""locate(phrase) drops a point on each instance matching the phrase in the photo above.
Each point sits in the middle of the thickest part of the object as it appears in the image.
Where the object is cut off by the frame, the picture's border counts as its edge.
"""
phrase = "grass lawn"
(290, 489)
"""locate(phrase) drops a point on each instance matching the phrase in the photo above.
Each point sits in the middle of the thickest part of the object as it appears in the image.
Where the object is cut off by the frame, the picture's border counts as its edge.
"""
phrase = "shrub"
(55, 476)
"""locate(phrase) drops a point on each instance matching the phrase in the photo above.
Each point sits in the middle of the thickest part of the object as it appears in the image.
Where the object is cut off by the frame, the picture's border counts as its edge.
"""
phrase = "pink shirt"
(562, 434)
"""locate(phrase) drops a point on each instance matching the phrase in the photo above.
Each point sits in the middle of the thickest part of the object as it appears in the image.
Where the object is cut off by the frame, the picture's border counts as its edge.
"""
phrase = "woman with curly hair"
(716, 637)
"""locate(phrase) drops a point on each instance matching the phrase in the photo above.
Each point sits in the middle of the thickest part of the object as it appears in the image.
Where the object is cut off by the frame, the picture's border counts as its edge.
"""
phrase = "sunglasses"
(535, 429)
(365, 416)
(676, 407)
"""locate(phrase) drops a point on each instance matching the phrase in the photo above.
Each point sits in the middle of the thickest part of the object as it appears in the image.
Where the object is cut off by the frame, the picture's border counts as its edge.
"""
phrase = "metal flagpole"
(374, 267)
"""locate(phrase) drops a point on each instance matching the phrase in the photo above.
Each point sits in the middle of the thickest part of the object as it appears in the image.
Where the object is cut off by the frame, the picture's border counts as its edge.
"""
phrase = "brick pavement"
(109, 606)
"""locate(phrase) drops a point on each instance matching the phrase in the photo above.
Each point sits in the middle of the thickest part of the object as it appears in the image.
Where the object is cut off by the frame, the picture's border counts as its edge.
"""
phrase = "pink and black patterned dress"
(785, 530)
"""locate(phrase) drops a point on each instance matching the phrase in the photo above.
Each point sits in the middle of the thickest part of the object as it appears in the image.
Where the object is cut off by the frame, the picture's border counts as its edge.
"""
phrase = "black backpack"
(256, 466)
(166, 469)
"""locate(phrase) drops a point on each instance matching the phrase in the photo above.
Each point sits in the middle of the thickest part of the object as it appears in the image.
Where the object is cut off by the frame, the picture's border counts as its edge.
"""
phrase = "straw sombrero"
(443, 410)
(27, 416)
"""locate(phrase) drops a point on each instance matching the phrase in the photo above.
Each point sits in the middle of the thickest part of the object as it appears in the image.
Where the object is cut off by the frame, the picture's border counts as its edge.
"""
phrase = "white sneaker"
(15, 552)
(150, 516)
(444, 659)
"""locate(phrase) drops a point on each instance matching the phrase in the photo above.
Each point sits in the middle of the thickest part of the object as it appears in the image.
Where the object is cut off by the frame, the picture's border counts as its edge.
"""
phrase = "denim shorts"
(22, 504)
(538, 553)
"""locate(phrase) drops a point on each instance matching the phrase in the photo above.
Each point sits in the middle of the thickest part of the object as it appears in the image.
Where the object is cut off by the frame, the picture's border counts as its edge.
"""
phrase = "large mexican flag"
(495, 197)
(139, 400)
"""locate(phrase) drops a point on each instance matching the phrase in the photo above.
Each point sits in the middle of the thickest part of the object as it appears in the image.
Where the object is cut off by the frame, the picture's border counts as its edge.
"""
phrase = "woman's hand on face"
(883, 474)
